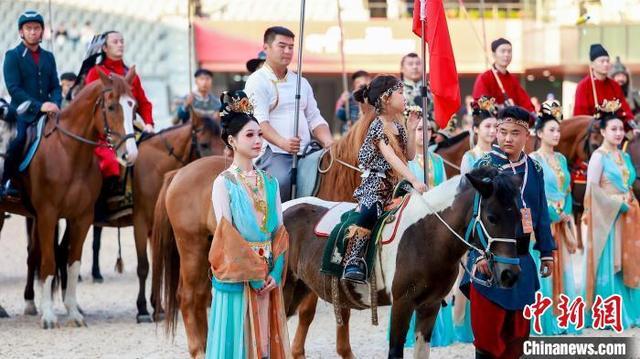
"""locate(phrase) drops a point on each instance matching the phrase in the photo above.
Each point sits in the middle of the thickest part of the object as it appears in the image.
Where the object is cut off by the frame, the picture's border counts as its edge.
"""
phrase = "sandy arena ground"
(110, 310)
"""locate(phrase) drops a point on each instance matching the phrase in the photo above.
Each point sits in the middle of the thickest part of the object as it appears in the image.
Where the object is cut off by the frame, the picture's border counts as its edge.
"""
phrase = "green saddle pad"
(336, 245)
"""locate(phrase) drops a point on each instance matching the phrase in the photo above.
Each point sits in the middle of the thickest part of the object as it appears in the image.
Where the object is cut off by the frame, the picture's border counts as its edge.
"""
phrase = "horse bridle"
(194, 149)
(108, 133)
(477, 228)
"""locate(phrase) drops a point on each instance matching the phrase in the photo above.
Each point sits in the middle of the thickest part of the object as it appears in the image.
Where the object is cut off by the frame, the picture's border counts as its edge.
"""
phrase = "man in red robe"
(498, 83)
(606, 88)
(113, 52)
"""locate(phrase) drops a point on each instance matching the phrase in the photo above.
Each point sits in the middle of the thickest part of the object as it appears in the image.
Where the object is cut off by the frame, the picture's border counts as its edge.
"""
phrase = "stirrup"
(357, 275)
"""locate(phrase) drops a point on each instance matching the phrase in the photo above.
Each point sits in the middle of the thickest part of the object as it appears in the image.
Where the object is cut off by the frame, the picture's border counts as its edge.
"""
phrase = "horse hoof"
(144, 318)
(98, 280)
(30, 308)
(158, 316)
(75, 318)
(49, 323)
(3, 313)
(76, 323)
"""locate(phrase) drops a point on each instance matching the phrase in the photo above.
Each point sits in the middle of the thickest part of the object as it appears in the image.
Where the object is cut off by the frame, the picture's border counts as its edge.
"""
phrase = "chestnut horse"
(158, 154)
(428, 251)
(63, 179)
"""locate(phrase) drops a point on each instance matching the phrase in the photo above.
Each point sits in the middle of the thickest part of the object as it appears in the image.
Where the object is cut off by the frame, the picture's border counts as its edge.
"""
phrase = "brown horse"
(452, 149)
(164, 152)
(63, 180)
(428, 251)
(158, 154)
(182, 227)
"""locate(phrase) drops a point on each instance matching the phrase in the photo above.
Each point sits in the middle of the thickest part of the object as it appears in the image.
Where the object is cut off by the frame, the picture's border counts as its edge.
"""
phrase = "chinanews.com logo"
(579, 347)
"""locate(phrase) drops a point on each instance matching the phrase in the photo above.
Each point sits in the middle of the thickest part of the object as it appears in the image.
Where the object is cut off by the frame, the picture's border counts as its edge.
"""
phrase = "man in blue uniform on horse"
(499, 326)
(30, 75)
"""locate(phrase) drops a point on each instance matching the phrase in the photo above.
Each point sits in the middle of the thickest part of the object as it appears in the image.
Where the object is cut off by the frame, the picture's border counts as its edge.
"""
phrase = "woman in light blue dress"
(484, 130)
(246, 203)
(612, 222)
(443, 332)
(557, 186)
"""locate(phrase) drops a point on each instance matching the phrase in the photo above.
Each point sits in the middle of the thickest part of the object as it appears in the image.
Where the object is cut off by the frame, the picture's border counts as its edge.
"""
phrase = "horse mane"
(86, 93)
(119, 85)
(451, 141)
(344, 147)
(212, 126)
(340, 182)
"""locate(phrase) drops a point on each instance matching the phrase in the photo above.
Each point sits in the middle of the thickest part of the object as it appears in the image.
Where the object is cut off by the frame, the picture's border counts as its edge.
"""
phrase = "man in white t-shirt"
(272, 90)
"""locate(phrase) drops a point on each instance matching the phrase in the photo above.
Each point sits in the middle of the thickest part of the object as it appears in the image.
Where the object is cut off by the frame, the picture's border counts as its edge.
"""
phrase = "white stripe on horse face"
(439, 198)
(128, 104)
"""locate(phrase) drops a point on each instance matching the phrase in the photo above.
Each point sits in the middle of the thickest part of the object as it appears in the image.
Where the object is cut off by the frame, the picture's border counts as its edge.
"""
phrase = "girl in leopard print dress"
(383, 160)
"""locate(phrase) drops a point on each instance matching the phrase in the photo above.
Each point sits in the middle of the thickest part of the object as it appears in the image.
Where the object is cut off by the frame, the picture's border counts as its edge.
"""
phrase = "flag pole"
(296, 116)
(423, 91)
(345, 84)
(190, 43)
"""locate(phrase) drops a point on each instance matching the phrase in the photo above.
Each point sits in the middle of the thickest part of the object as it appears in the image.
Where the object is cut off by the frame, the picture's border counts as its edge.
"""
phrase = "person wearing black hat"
(605, 88)
(30, 75)
(67, 80)
(499, 83)
(255, 64)
(202, 100)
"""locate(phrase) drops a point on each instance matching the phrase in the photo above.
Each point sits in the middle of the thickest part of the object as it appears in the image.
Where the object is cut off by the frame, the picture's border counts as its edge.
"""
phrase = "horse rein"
(331, 159)
(476, 227)
(193, 149)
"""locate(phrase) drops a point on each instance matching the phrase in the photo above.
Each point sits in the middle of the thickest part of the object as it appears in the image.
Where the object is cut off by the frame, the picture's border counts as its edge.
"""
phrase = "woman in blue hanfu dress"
(612, 221)
(560, 205)
(248, 251)
(442, 334)
(484, 130)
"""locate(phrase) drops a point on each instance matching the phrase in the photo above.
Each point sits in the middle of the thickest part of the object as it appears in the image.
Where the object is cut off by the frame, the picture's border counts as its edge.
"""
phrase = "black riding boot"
(355, 266)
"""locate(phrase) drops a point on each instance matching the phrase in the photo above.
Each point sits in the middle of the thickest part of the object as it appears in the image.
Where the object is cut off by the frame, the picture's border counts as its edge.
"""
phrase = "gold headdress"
(551, 108)
(236, 101)
(608, 106)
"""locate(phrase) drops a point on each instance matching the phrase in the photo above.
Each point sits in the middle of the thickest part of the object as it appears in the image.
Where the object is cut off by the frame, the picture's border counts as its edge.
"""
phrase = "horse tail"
(166, 260)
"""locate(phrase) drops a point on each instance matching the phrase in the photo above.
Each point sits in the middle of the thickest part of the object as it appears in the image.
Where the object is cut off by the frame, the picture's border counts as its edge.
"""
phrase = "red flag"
(443, 75)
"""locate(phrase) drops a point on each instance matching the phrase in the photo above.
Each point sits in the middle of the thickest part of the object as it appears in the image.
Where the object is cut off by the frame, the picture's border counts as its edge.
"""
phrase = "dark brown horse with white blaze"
(421, 264)
(63, 179)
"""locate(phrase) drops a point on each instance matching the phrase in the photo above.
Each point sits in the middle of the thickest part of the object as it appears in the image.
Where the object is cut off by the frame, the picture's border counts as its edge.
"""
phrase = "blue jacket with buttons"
(27, 81)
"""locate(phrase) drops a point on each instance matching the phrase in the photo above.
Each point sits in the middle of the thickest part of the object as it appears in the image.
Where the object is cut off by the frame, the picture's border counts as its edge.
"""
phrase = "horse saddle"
(32, 142)
(307, 179)
(333, 226)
